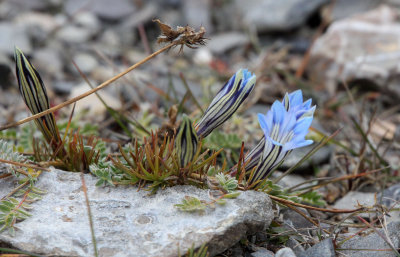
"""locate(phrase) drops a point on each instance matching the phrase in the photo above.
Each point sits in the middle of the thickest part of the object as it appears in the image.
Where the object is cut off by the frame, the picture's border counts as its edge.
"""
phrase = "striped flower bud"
(285, 127)
(186, 141)
(35, 96)
(226, 102)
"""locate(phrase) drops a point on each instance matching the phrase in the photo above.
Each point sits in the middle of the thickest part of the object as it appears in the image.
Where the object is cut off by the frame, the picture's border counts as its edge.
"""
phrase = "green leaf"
(191, 204)
(232, 195)
(221, 201)
(5, 208)
(227, 182)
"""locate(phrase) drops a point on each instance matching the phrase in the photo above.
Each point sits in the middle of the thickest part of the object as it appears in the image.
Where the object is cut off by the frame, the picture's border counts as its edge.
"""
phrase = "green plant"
(159, 164)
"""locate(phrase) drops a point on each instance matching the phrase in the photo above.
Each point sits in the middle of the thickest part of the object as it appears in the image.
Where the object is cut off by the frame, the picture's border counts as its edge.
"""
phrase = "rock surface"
(285, 252)
(13, 35)
(272, 15)
(373, 242)
(263, 253)
(366, 47)
(390, 195)
(324, 248)
(345, 8)
(226, 41)
(110, 10)
(130, 223)
(352, 199)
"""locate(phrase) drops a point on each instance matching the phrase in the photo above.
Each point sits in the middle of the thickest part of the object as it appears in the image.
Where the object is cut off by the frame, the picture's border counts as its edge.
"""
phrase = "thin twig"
(24, 165)
(190, 92)
(15, 190)
(8, 250)
(84, 189)
(380, 234)
(6, 175)
(308, 155)
(285, 202)
(77, 98)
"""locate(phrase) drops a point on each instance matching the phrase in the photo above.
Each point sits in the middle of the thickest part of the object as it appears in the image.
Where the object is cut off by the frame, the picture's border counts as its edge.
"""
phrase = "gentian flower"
(186, 141)
(226, 102)
(285, 127)
(35, 96)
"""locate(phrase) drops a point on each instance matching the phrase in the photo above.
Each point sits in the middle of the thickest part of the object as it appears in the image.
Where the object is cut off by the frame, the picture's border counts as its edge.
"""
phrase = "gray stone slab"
(373, 242)
(131, 223)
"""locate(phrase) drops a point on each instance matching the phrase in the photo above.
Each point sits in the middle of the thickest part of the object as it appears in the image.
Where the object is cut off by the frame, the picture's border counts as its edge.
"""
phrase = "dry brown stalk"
(101, 86)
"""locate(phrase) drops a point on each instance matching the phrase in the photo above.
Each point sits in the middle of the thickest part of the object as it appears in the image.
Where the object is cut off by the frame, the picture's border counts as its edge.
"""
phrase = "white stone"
(92, 103)
(353, 198)
(86, 63)
(128, 222)
(366, 46)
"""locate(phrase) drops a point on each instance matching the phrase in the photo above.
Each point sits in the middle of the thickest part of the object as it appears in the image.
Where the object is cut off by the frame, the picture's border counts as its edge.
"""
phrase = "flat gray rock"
(373, 242)
(285, 252)
(130, 223)
(111, 10)
(14, 35)
(363, 47)
(353, 198)
(270, 15)
(324, 248)
(223, 42)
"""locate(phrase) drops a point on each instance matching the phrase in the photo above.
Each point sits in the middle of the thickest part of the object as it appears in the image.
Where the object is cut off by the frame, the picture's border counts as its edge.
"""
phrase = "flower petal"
(296, 98)
(302, 126)
(278, 111)
(296, 144)
(226, 102)
(262, 119)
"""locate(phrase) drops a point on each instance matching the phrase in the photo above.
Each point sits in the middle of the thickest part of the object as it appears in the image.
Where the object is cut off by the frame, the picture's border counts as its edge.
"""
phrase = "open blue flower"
(226, 102)
(285, 127)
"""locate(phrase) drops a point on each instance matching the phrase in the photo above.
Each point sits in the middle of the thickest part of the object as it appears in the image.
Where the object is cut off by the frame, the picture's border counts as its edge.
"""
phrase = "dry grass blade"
(190, 92)
(84, 189)
(331, 180)
(306, 217)
(387, 240)
(285, 202)
(20, 164)
(13, 252)
(92, 91)
(308, 155)
(371, 146)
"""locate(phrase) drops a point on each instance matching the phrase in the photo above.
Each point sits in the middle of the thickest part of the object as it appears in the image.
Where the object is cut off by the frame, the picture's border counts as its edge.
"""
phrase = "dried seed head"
(181, 35)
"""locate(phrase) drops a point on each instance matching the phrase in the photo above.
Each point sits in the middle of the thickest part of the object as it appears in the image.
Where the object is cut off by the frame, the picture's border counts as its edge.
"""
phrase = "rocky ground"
(343, 54)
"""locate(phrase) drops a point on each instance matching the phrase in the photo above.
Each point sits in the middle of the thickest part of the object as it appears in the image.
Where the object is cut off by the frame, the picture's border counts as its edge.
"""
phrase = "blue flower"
(285, 127)
(226, 102)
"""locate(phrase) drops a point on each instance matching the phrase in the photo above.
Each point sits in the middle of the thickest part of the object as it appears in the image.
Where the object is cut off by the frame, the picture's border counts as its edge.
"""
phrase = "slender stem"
(8, 250)
(308, 155)
(15, 190)
(284, 201)
(77, 98)
(190, 92)
(84, 189)
(24, 165)
(303, 214)
(5, 175)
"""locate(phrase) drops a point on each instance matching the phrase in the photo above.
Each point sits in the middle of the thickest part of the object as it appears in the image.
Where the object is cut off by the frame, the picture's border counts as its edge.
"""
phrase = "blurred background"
(326, 48)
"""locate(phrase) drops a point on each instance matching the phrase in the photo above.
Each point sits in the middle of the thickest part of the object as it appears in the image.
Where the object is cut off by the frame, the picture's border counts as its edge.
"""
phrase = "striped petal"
(186, 141)
(35, 96)
(285, 127)
(226, 102)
